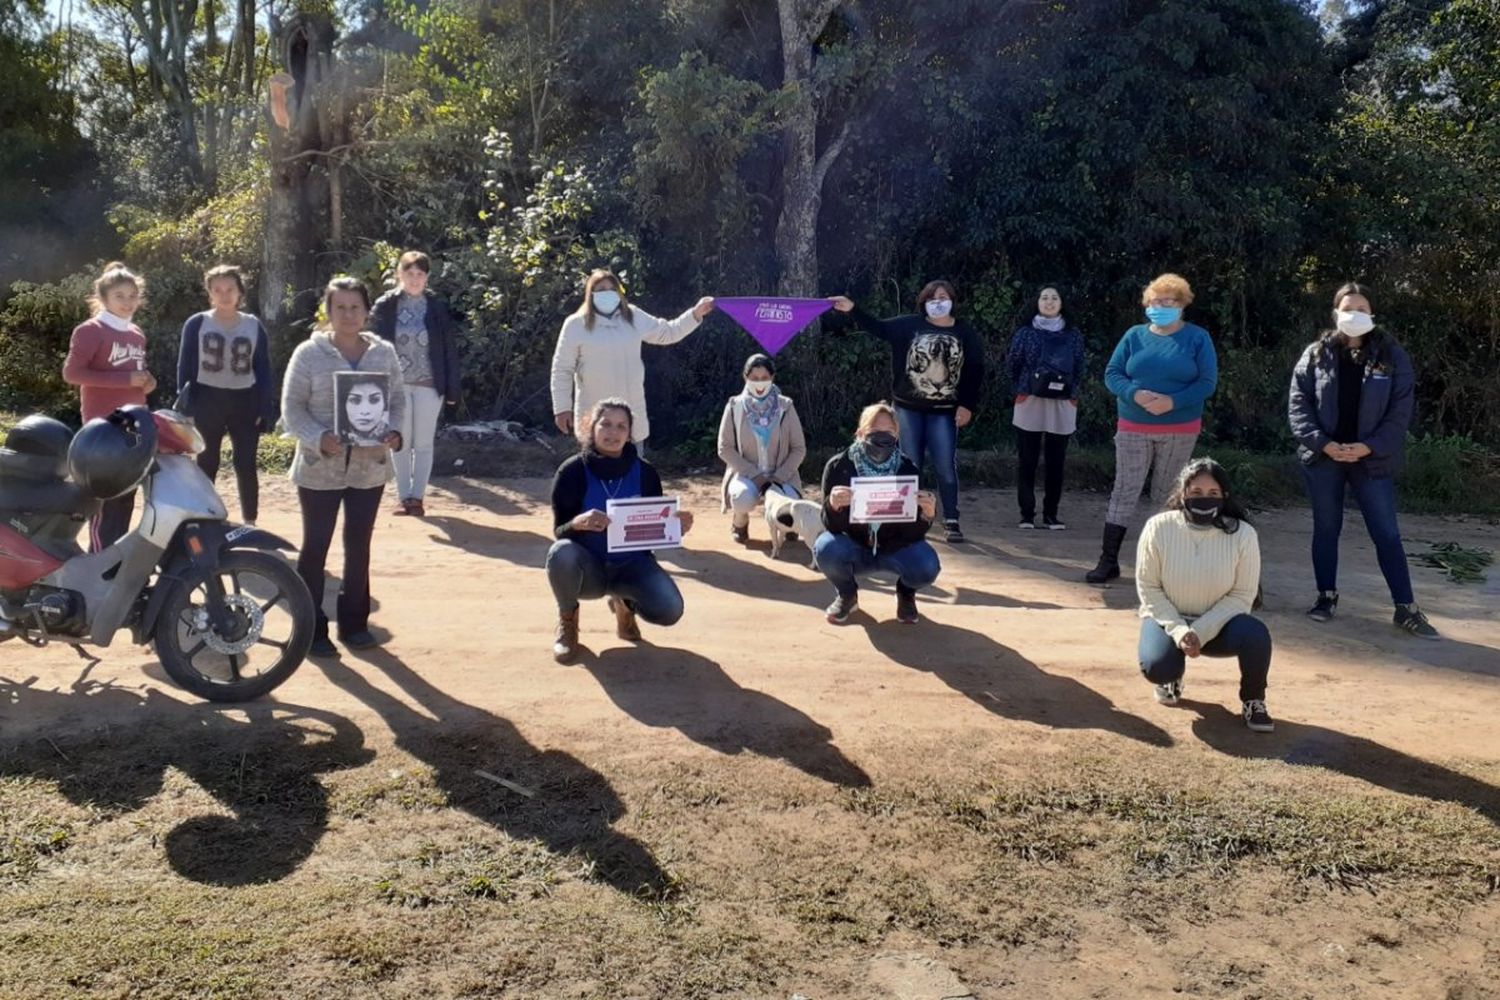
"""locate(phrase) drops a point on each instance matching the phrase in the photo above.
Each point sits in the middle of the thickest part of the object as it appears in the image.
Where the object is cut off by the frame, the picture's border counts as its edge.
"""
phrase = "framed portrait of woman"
(362, 417)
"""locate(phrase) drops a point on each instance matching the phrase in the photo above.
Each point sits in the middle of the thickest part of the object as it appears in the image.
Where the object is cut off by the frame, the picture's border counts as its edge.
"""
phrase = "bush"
(35, 327)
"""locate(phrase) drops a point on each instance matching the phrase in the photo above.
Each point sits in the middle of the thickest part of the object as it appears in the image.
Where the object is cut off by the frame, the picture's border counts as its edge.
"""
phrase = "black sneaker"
(1053, 524)
(842, 607)
(1327, 604)
(363, 639)
(1027, 524)
(1257, 719)
(740, 533)
(1169, 693)
(322, 646)
(1410, 618)
(906, 605)
(951, 531)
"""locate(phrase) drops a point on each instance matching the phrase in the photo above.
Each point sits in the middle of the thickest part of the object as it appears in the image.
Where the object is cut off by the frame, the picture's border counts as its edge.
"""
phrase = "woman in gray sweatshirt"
(330, 469)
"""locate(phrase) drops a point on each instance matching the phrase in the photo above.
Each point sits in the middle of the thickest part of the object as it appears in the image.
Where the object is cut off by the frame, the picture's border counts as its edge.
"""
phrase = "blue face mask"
(606, 302)
(1161, 315)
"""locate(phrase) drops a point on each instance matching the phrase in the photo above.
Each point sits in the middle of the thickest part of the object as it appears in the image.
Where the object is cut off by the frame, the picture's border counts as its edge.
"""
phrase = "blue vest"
(597, 497)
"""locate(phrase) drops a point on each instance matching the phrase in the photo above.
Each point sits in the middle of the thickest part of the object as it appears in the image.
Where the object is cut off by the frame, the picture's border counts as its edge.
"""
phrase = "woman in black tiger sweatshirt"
(937, 369)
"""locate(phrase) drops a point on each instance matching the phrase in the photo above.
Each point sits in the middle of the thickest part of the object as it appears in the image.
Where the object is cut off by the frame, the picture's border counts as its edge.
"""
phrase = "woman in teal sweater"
(1160, 373)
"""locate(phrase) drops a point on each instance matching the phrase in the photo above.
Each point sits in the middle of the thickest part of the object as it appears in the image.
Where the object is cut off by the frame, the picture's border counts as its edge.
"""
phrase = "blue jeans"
(937, 433)
(576, 573)
(1244, 636)
(1376, 495)
(843, 560)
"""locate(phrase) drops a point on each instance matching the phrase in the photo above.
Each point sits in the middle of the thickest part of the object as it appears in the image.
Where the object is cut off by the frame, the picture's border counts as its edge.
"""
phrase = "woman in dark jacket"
(937, 372)
(1350, 406)
(1045, 362)
(425, 334)
(579, 564)
(847, 550)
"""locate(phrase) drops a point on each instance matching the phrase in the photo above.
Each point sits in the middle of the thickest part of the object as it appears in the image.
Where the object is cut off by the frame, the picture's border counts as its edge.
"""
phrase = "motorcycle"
(229, 618)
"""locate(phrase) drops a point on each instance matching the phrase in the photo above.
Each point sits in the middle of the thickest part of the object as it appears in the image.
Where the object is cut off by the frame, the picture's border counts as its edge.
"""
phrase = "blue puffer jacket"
(1385, 403)
(1031, 348)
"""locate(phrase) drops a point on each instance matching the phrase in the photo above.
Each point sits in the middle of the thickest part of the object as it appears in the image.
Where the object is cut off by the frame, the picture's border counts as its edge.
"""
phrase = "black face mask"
(1204, 510)
(880, 446)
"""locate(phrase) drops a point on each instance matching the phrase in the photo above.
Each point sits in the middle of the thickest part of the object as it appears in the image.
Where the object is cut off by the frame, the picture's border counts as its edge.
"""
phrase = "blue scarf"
(865, 466)
(762, 416)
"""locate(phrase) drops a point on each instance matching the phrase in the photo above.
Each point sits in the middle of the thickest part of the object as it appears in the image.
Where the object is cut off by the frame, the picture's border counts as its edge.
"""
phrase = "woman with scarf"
(1045, 361)
(579, 564)
(849, 550)
(760, 443)
(1350, 406)
(1197, 571)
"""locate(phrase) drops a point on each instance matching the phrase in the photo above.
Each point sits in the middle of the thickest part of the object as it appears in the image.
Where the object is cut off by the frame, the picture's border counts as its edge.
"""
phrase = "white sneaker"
(1169, 693)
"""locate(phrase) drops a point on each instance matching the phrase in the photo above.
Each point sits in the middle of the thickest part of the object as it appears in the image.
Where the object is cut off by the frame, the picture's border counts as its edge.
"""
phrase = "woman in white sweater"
(1197, 570)
(598, 353)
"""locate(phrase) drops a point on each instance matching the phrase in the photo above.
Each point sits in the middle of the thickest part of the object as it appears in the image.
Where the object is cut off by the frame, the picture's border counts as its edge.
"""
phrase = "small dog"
(785, 515)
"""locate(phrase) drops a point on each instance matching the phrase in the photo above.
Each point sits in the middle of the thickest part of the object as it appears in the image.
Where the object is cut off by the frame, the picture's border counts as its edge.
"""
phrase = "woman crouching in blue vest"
(579, 564)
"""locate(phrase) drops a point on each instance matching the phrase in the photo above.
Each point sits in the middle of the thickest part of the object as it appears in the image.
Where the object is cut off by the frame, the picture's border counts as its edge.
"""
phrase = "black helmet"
(36, 448)
(112, 454)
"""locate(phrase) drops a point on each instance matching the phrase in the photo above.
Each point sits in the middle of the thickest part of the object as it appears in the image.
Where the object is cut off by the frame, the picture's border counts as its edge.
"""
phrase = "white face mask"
(1354, 324)
(938, 308)
(758, 389)
(606, 302)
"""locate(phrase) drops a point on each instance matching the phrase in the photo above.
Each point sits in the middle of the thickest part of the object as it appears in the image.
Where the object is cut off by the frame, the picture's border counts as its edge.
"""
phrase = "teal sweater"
(1182, 365)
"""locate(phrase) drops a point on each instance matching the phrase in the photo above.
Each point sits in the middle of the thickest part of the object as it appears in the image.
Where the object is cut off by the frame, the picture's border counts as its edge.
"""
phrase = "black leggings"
(320, 514)
(1032, 446)
(236, 412)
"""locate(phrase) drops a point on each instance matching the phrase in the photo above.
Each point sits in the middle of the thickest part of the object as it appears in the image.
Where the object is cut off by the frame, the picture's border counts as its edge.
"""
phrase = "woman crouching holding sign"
(606, 527)
(876, 518)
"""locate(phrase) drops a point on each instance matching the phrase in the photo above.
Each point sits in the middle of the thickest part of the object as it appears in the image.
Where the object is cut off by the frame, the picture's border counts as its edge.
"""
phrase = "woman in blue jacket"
(1045, 362)
(1160, 373)
(1350, 406)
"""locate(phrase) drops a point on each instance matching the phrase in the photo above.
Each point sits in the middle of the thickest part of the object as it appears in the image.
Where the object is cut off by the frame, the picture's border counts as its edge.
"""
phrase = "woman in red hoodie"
(107, 361)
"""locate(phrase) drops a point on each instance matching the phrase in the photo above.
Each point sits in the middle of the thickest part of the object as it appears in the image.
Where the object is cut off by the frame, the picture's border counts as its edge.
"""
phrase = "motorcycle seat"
(55, 496)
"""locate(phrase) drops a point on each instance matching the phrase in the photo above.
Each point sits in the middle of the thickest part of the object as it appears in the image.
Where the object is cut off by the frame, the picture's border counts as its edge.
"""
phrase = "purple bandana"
(773, 322)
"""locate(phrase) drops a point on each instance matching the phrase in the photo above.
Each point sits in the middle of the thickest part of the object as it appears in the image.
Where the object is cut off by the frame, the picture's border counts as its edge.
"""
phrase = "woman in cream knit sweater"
(1198, 573)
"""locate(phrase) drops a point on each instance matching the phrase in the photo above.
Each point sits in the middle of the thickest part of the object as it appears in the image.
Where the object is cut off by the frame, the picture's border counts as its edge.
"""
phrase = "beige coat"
(590, 365)
(740, 451)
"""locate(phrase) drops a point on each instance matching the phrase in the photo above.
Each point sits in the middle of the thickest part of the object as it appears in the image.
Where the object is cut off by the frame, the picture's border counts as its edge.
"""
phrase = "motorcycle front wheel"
(271, 618)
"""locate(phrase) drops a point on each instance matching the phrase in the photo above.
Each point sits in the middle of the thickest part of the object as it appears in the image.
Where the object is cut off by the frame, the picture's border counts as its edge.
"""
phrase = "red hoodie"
(100, 361)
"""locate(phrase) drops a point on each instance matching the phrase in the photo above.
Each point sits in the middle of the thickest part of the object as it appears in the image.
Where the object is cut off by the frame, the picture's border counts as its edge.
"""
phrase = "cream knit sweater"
(1195, 579)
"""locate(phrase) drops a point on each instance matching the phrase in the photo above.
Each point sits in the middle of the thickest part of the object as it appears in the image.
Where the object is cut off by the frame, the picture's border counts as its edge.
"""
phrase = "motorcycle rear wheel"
(274, 622)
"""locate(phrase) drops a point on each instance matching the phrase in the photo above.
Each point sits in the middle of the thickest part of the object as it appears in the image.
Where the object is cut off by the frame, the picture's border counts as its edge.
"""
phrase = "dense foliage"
(1267, 149)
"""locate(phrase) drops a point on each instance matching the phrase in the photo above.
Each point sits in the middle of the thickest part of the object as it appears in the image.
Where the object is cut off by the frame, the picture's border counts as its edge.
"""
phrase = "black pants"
(320, 514)
(112, 521)
(1032, 446)
(234, 411)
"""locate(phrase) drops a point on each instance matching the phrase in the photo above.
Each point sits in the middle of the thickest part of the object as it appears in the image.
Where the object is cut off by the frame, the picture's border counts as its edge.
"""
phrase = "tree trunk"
(297, 200)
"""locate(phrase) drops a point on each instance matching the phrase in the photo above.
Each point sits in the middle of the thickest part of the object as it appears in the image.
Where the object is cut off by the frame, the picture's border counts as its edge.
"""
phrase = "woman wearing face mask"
(1045, 361)
(1197, 571)
(847, 550)
(937, 371)
(1160, 373)
(598, 353)
(1350, 406)
(107, 362)
(425, 333)
(579, 564)
(760, 443)
(332, 475)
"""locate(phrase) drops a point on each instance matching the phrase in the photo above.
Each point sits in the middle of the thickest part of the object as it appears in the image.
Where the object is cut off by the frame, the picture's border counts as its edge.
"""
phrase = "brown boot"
(625, 626)
(565, 644)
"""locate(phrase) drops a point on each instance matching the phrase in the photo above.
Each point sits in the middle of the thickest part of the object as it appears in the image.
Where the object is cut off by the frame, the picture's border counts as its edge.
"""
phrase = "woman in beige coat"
(761, 443)
(598, 353)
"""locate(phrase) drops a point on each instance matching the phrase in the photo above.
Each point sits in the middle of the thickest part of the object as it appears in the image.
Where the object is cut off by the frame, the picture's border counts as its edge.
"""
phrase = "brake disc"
(244, 608)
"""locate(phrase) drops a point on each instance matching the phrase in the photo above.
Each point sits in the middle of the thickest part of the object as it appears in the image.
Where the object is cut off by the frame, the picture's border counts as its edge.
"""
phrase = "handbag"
(1049, 383)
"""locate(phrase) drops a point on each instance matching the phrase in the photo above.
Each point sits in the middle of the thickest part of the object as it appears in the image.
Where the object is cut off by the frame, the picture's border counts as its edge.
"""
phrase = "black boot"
(1109, 558)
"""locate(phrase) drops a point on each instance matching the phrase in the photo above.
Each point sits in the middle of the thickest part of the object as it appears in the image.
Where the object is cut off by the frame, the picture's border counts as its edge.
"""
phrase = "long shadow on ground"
(260, 760)
(1003, 681)
(573, 806)
(1314, 746)
(675, 689)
